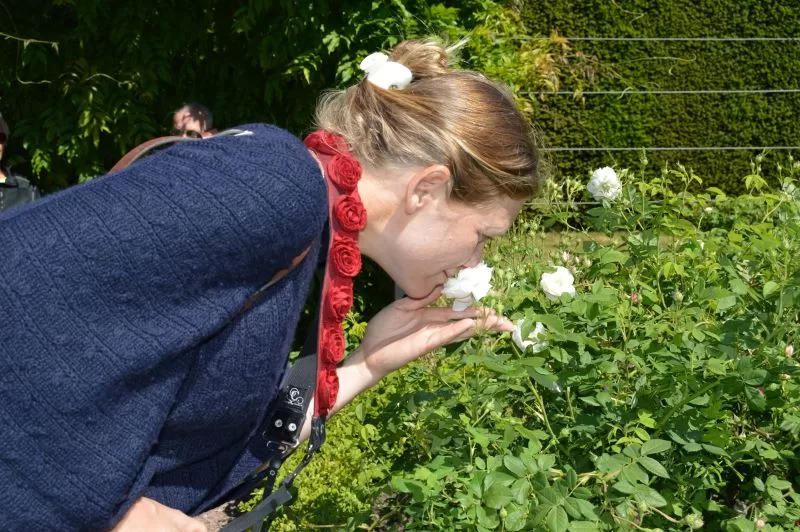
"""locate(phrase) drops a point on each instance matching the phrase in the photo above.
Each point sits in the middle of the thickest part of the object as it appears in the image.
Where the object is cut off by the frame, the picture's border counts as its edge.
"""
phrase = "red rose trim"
(347, 217)
(345, 172)
(350, 212)
(327, 388)
(340, 297)
(326, 142)
(332, 345)
(345, 255)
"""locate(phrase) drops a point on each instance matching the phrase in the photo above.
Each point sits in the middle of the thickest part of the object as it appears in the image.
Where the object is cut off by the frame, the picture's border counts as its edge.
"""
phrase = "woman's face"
(433, 236)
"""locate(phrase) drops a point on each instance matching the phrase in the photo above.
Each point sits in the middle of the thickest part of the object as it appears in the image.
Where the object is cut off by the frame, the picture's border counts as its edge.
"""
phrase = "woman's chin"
(423, 292)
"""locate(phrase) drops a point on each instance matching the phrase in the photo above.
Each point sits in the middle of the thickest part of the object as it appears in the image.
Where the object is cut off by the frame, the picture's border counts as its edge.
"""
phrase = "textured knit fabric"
(126, 369)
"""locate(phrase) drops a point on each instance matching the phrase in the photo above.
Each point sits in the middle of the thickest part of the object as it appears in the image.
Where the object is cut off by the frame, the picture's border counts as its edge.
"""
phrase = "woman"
(132, 379)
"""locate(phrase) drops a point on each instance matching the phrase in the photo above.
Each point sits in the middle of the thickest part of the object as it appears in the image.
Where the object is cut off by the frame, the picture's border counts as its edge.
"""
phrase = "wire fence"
(676, 148)
(658, 92)
(628, 92)
(676, 39)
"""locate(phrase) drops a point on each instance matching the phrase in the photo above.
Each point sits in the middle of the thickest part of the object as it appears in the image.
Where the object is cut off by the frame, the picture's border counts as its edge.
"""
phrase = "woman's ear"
(428, 186)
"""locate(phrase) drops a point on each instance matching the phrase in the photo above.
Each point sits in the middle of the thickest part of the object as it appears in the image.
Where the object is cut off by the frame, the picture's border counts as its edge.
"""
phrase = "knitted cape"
(126, 369)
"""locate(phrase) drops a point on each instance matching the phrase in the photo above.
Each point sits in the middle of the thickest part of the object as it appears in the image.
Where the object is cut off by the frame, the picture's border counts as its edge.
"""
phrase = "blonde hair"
(458, 118)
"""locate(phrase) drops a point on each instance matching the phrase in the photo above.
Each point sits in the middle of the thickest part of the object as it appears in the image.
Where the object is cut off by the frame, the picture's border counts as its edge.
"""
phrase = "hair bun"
(425, 58)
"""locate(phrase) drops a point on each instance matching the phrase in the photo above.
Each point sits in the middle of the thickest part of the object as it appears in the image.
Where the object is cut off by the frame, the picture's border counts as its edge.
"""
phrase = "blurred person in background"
(15, 190)
(193, 120)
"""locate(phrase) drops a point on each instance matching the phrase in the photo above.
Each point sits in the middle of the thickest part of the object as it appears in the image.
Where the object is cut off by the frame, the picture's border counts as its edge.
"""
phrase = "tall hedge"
(675, 120)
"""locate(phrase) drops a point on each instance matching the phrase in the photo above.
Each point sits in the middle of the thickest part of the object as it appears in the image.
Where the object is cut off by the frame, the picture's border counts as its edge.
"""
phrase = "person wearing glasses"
(15, 190)
(193, 120)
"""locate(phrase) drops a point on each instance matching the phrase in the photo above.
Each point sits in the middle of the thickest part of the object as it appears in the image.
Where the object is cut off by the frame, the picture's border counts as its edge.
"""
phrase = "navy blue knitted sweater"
(115, 379)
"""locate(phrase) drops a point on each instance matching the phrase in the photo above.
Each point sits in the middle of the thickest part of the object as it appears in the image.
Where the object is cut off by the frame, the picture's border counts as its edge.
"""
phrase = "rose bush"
(676, 411)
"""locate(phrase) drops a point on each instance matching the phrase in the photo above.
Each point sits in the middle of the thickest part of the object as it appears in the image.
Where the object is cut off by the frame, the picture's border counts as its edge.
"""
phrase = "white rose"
(469, 286)
(534, 341)
(558, 282)
(604, 184)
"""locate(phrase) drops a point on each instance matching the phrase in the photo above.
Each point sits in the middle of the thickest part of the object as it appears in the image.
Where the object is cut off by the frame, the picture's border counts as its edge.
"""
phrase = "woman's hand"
(408, 329)
(147, 515)
(400, 333)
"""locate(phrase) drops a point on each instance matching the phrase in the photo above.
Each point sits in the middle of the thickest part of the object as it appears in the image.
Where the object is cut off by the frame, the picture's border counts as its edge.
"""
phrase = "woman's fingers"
(485, 318)
(491, 320)
(458, 330)
(453, 331)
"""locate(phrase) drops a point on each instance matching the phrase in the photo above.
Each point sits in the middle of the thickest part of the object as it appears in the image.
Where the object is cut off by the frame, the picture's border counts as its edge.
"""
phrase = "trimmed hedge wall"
(676, 120)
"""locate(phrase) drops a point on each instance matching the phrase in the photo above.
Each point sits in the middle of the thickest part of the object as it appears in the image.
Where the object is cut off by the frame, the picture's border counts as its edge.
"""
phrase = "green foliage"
(100, 78)
(675, 409)
(675, 120)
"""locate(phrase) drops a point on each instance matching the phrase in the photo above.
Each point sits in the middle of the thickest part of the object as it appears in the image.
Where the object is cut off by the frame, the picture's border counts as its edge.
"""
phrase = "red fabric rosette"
(345, 255)
(340, 297)
(350, 212)
(345, 172)
(332, 346)
(327, 389)
(326, 142)
(348, 217)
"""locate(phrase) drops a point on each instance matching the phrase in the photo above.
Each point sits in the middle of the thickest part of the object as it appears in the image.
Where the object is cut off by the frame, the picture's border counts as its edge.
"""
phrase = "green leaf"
(653, 466)
(584, 526)
(586, 508)
(488, 518)
(758, 484)
(515, 465)
(726, 302)
(553, 323)
(609, 256)
(413, 487)
(738, 287)
(521, 489)
(713, 449)
(775, 482)
(515, 520)
(557, 520)
(756, 399)
(770, 287)
(550, 496)
(497, 496)
(739, 524)
(649, 496)
(634, 474)
(625, 487)
(655, 446)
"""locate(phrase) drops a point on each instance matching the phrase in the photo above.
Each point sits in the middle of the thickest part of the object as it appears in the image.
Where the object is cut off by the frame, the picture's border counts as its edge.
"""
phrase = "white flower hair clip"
(384, 73)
